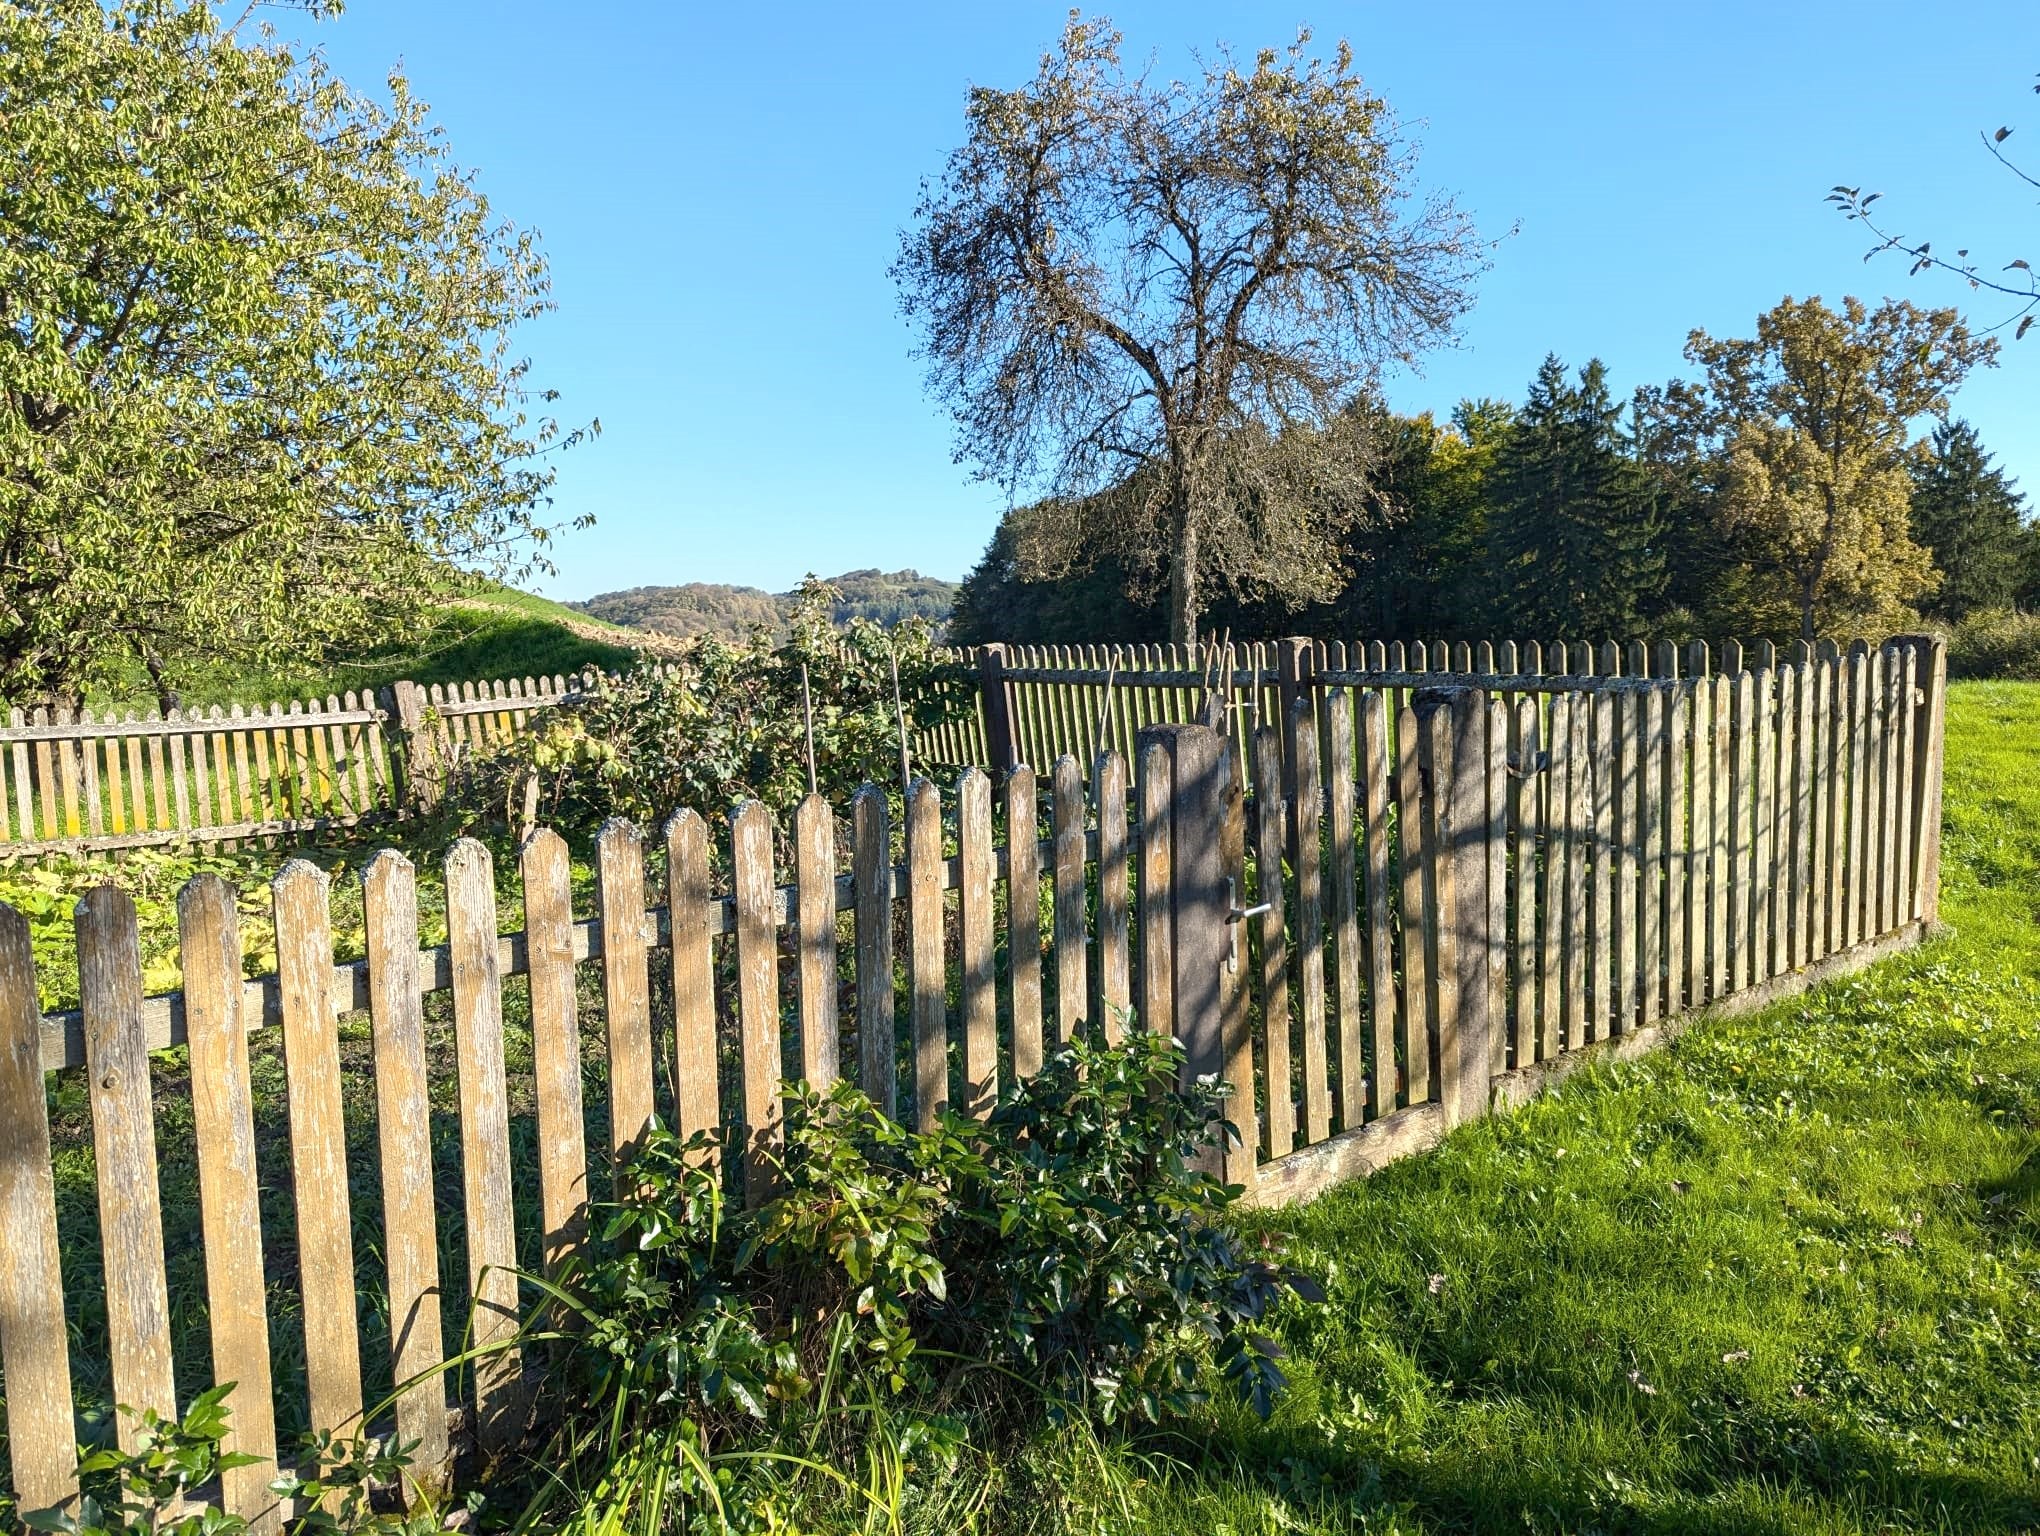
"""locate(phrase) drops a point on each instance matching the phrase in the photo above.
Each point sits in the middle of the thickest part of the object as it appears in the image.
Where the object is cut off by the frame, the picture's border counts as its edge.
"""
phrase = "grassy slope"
(1784, 1276)
(498, 632)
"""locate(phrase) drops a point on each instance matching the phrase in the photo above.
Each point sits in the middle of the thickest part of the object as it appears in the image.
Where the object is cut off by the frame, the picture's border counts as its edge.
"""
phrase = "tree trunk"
(1184, 606)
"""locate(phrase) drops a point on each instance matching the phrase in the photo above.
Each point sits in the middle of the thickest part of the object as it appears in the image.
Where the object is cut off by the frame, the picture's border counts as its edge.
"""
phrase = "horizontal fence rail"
(1378, 901)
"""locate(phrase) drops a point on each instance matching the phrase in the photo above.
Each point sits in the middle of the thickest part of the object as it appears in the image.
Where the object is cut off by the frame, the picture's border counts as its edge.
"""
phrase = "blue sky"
(719, 190)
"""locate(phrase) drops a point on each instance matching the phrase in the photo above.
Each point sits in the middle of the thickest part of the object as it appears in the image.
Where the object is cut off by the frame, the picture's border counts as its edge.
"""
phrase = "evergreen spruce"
(1576, 534)
(1972, 517)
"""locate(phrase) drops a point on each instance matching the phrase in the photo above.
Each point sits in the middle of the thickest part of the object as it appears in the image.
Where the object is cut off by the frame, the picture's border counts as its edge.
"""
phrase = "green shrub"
(1997, 644)
(155, 1486)
(724, 725)
(1062, 1255)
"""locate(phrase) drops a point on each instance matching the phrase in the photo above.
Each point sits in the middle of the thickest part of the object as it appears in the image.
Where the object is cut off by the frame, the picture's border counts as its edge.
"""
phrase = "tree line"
(1809, 480)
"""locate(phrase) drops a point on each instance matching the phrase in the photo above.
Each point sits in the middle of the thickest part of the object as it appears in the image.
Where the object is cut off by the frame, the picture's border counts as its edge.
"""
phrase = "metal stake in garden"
(900, 717)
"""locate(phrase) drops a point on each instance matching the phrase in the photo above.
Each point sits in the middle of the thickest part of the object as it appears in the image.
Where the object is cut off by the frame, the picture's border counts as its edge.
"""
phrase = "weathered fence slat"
(814, 854)
(1115, 961)
(979, 863)
(1271, 934)
(627, 1006)
(927, 969)
(697, 1093)
(1072, 968)
(318, 1145)
(35, 1352)
(404, 1132)
(758, 1019)
(230, 1207)
(545, 872)
(1348, 957)
(1023, 919)
(486, 1178)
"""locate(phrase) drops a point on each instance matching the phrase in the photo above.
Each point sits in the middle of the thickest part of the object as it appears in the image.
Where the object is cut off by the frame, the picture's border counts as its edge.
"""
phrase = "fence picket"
(1416, 1009)
(230, 1208)
(1157, 878)
(484, 1139)
(546, 875)
(927, 971)
(758, 1020)
(1525, 834)
(978, 859)
(697, 1093)
(35, 1355)
(1113, 983)
(1306, 829)
(318, 1144)
(1348, 959)
(1072, 970)
(627, 1008)
(404, 1137)
(814, 853)
(878, 1071)
(1279, 1122)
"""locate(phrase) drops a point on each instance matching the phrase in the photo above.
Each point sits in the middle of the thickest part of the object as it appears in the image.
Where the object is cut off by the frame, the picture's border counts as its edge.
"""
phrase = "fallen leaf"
(1735, 1357)
(1437, 1284)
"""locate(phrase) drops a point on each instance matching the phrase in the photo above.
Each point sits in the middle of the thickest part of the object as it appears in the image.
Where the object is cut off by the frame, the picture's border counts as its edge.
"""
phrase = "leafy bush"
(724, 725)
(1996, 644)
(1063, 1253)
(152, 1487)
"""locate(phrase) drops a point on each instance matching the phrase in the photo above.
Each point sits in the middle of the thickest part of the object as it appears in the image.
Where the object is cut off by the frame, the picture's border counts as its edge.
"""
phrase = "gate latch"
(1237, 914)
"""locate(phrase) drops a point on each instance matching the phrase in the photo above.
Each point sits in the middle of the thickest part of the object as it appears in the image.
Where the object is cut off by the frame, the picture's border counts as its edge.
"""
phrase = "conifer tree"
(1575, 533)
(1972, 517)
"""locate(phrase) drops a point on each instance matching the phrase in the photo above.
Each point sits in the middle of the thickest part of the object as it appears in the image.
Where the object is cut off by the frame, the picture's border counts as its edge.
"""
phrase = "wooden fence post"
(1930, 737)
(997, 700)
(419, 773)
(1209, 944)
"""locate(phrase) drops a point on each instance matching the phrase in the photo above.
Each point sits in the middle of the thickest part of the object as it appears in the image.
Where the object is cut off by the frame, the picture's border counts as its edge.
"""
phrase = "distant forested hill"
(702, 607)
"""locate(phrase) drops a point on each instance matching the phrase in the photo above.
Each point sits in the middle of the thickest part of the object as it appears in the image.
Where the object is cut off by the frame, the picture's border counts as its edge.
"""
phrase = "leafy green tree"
(1577, 540)
(1148, 288)
(1971, 516)
(1810, 424)
(256, 390)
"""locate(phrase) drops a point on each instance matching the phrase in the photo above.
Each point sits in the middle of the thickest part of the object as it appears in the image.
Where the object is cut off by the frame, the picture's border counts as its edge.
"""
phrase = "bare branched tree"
(2016, 279)
(1156, 302)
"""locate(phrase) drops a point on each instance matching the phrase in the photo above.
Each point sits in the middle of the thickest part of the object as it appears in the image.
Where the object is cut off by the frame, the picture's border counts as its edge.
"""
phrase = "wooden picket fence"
(1404, 896)
(92, 782)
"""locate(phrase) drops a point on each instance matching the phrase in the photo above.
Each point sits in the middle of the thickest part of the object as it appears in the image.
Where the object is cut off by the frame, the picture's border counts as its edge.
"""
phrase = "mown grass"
(1784, 1276)
(497, 632)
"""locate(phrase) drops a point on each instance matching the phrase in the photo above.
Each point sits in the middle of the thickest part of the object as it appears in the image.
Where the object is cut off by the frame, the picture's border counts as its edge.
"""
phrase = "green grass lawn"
(1784, 1276)
(497, 632)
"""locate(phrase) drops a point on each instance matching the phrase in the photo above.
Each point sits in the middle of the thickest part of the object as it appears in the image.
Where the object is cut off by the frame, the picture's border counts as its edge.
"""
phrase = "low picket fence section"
(1377, 911)
(85, 781)
(759, 977)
